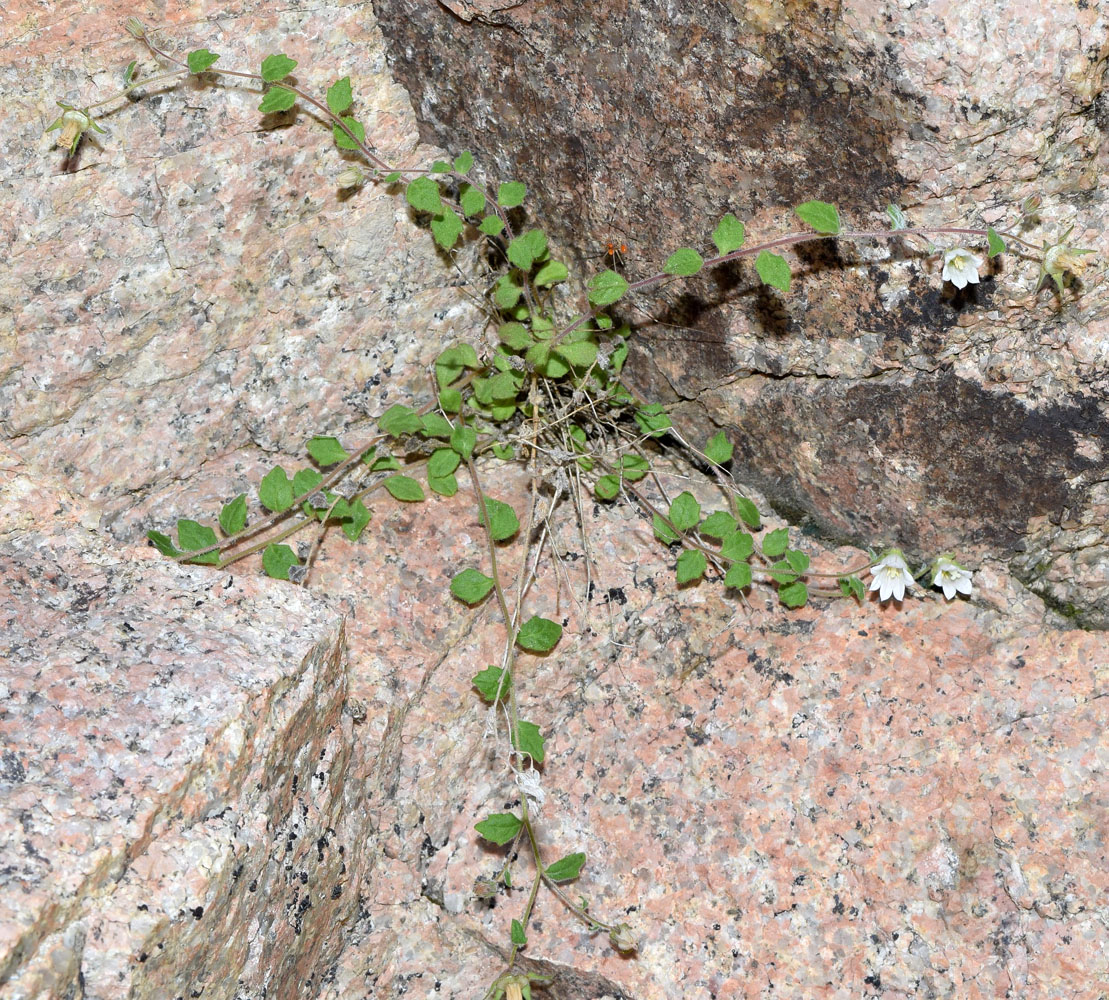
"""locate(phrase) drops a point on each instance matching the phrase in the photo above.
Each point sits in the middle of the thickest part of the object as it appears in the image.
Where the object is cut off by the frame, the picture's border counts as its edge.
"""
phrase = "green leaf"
(719, 524)
(507, 291)
(634, 467)
(305, 481)
(820, 215)
(404, 488)
(793, 595)
(445, 486)
(464, 161)
(538, 635)
(529, 740)
(527, 248)
(491, 680)
(852, 586)
(326, 451)
(446, 227)
(738, 575)
(277, 560)
(339, 96)
(719, 449)
(423, 195)
(386, 463)
(581, 353)
(400, 419)
(997, 244)
(451, 362)
(774, 544)
(897, 218)
(503, 523)
(232, 517)
(463, 440)
(514, 336)
(691, 566)
(442, 463)
(798, 561)
(471, 200)
(565, 869)
(738, 546)
(277, 99)
(470, 586)
(277, 67)
(450, 401)
(163, 543)
(653, 420)
(353, 517)
(782, 572)
(606, 288)
(344, 141)
(199, 60)
(728, 235)
(773, 270)
(500, 828)
(607, 487)
(491, 225)
(685, 511)
(440, 167)
(275, 491)
(391, 178)
(193, 535)
(511, 194)
(550, 273)
(505, 452)
(748, 513)
(684, 262)
(517, 935)
(435, 425)
(663, 532)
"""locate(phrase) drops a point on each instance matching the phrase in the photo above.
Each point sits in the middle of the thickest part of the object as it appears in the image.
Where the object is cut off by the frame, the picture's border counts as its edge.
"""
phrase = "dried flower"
(1061, 259)
(71, 125)
(622, 938)
(352, 177)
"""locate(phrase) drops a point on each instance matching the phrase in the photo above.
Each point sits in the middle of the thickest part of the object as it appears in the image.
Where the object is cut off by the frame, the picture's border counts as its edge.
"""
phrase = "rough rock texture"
(870, 401)
(176, 768)
(843, 802)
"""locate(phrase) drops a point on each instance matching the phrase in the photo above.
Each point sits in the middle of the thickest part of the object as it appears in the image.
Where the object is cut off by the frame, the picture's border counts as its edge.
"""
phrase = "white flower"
(529, 784)
(960, 267)
(952, 577)
(891, 576)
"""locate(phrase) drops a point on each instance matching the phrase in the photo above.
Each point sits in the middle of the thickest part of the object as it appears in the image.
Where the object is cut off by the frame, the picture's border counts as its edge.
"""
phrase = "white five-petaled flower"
(952, 577)
(891, 576)
(960, 267)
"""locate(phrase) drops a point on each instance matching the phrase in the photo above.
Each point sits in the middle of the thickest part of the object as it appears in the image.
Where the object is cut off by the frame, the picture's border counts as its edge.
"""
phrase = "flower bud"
(622, 939)
(134, 27)
(352, 177)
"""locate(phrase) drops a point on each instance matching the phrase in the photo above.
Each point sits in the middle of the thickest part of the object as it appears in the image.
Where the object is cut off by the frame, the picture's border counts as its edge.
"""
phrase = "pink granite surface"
(841, 802)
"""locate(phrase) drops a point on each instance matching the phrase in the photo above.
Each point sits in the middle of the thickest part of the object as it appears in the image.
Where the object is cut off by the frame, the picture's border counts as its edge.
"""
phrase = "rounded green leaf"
(326, 451)
(538, 635)
(163, 543)
(634, 467)
(793, 595)
(511, 194)
(491, 225)
(400, 419)
(581, 354)
(446, 227)
(738, 546)
(442, 463)
(232, 517)
(339, 96)
(773, 270)
(423, 195)
(820, 215)
(193, 535)
(353, 517)
(728, 235)
(435, 425)
(277, 67)
(565, 869)
(663, 532)
(685, 511)
(277, 560)
(344, 141)
(748, 512)
(404, 488)
(852, 586)
(552, 272)
(463, 440)
(684, 262)
(445, 486)
(275, 491)
(607, 487)
(606, 288)
(719, 449)
(503, 522)
(691, 566)
(738, 575)
(996, 243)
(470, 586)
(277, 99)
(500, 828)
(529, 740)
(471, 200)
(464, 161)
(719, 524)
(527, 248)
(775, 543)
(516, 935)
(493, 683)
(199, 60)
(653, 420)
